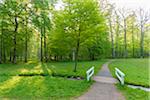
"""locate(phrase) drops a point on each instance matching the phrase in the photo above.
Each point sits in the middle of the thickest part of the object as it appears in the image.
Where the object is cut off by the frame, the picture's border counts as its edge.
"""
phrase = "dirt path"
(103, 88)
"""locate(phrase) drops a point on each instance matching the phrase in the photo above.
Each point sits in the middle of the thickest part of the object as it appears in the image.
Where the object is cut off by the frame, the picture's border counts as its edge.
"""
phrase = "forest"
(74, 49)
(78, 30)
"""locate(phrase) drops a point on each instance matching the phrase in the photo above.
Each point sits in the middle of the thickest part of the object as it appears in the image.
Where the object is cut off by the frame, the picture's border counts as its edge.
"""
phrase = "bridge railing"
(120, 75)
(89, 73)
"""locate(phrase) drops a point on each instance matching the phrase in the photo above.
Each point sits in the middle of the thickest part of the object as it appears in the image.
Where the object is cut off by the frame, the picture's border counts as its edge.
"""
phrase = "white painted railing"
(120, 75)
(89, 73)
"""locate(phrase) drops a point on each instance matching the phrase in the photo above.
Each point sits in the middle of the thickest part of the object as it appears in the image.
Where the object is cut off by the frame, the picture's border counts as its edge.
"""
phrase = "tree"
(111, 31)
(80, 21)
(42, 21)
(144, 17)
(132, 29)
(123, 14)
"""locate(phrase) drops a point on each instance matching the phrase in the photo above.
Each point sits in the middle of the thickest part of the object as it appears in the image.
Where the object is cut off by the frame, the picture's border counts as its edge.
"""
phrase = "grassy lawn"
(44, 87)
(137, 73)
(41, 87)
(56, 68)
(134, 94)
(136, 70)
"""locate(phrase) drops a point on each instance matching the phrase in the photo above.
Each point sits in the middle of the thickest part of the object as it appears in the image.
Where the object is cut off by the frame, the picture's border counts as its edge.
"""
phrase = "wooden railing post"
(89, 73)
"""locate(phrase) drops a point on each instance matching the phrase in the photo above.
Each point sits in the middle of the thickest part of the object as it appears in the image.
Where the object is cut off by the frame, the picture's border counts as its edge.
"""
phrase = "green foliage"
(81, 23)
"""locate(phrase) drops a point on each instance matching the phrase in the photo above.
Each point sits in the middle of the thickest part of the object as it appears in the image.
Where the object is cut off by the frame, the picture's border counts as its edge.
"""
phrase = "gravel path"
(103, 88)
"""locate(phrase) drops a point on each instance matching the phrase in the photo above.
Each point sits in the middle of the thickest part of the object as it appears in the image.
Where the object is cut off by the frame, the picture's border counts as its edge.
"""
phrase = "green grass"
(56, 68)
(60, 68)
(136, 70)
(136, 73)
(134, 94)
(26, 87)
(41, 87)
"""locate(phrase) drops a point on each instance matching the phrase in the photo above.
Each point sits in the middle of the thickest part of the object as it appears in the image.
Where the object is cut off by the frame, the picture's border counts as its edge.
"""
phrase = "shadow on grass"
(9, 84)
(25, 89)
(46, 69)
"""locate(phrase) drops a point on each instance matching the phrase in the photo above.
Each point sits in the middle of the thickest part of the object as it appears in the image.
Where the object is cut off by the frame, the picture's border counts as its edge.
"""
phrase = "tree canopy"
(80, 30)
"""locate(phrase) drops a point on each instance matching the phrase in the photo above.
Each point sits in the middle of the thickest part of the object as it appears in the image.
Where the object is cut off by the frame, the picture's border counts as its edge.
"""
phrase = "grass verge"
(133, 94)
(136, 71)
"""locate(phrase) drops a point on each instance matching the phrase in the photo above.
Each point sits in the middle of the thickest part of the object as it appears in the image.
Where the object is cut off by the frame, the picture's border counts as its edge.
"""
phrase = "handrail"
(89, 73)
(120, 75)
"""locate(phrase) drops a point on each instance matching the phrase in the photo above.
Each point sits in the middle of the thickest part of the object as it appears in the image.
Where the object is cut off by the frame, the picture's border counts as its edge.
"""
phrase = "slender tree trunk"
(142, 42)
(117, 37)
(4, 54)
(26, 43)
(133, 54)
(125, 39)
(10, 56)
(138, 47)
(112, 39)
(117, 51)
(45, 46)
(26, 49)
(112, 44)
(1, 52)
(1, 37)
(76, 55)
(41, 45)
(14, 40)
(73, 55)
(14, 54)
(55, 58)
(77, 50)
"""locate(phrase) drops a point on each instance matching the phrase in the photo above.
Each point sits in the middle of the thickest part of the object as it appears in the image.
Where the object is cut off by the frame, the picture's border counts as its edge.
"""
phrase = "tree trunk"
(125, 39)
(117, 51)
(10, 56)
(26, 44)
(1, 54)
(142, 42)
(26, 50)
(45, 46)
(112, 39)
(117, 36)
(77, 51)
(41, 49)
(133, 42)
(14, 40)
(41, 45)
(1, 37)
(4, 55)
(76, 56)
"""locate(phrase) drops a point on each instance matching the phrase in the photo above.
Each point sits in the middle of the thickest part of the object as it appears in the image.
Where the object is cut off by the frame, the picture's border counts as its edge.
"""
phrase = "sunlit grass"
(42, 87)
(37, 69)
(55, 68)
(31, 86)
(7, 85)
